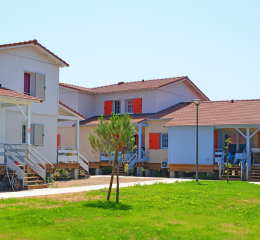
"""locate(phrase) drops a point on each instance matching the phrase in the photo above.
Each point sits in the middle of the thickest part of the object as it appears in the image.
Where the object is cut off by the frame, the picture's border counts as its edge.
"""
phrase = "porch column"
(2, 124)
(77, 137)
(140, 143)
(248, 141)
(28, 123)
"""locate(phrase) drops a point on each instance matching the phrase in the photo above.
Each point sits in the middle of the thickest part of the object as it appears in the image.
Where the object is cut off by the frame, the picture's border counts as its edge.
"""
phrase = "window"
(34, 85)
(27, 83)
(117, 107)
(129, 106)
(164, 140)
(36, 132)
(23, 133)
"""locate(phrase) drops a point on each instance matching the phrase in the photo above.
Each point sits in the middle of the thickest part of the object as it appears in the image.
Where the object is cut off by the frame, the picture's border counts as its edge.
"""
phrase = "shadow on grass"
(199, 183)
(107, 205)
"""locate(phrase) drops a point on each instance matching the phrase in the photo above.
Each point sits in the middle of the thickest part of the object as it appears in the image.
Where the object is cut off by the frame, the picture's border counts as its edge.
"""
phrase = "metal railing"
(13, 160)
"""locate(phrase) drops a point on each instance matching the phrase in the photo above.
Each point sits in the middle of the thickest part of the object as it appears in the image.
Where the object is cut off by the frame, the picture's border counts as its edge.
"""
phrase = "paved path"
(51, 191)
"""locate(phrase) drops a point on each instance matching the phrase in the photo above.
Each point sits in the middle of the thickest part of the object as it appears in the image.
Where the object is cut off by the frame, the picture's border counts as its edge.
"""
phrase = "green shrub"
(158, 174)
(209, 176)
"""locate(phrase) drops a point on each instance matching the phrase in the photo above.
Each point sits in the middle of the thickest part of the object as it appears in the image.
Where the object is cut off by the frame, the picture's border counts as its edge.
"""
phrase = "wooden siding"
(182, 145)
(14, 62)
(190, 167)
(155, 166)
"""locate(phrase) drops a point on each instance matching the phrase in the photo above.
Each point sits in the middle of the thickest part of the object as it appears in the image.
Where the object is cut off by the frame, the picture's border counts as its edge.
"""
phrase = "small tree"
(115, 138)
(227, 141)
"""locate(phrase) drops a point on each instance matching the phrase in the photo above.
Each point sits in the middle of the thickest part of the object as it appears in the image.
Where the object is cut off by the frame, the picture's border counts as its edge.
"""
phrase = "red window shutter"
(107, 107)
(259, 139)
(137, 139)
(154, 140)
(58, 140)
(26, 83)
(215, 139)
(137, 105)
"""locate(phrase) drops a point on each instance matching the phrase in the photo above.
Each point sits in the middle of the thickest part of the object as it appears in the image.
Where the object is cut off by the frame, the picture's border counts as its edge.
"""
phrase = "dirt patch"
(101, 181)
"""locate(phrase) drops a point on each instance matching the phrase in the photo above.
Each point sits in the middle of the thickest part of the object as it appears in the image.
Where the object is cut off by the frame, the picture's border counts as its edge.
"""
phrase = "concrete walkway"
(51, 191)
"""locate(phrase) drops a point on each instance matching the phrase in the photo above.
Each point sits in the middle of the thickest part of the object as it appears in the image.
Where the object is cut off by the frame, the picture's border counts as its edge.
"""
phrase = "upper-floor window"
(27, 83)
(117, 107)
(34, 85)
(134, 105)
(129, 106)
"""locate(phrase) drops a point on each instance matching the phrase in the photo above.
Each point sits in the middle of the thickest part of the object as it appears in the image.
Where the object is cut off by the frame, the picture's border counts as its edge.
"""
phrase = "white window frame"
(117, 101)
(127, 110)
(31, 132)
(161, 141)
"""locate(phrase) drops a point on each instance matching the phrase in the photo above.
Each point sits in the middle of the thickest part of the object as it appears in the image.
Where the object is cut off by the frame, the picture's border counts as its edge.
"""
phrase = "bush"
(209, 176)
(158, 174)
(63, 173)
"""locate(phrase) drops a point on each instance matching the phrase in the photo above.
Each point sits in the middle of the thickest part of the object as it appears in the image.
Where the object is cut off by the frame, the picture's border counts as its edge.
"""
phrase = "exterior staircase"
(84, 165)
(234, 173)
(122, 170)
(254, 173)
(33, 181)
(31, 171)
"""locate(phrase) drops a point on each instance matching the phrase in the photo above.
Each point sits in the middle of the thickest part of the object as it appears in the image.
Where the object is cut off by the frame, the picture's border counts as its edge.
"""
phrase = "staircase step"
(31, 177)
(254, 176)
(38, 186)
(35, 181)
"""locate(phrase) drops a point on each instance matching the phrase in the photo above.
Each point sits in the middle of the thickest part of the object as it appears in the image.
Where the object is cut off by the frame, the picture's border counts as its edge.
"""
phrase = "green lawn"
(210, 210)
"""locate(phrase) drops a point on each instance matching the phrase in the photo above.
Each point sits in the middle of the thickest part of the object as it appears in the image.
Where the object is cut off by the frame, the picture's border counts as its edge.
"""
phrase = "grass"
(186, 210)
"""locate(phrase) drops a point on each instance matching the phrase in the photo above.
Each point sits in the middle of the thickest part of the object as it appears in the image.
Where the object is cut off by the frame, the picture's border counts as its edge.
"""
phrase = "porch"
(243, 152)
(70, 157)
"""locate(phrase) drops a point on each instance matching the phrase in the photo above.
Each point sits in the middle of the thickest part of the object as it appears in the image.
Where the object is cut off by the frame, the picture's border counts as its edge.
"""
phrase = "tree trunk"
(112, 176)
(227, 170)
(117, 184)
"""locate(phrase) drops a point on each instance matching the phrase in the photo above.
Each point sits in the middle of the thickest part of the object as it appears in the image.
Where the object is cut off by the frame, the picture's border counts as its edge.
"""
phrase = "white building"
(33, 72)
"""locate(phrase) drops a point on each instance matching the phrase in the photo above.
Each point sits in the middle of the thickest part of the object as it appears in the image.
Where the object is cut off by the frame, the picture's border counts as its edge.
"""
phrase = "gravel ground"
(100, 181)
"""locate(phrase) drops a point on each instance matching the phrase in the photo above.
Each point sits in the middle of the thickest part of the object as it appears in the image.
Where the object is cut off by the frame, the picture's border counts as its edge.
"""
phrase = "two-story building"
(142, 100)
(29, 106)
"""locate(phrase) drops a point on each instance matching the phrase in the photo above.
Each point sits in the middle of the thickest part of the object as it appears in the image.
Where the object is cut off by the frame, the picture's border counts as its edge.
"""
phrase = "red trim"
(107, 107)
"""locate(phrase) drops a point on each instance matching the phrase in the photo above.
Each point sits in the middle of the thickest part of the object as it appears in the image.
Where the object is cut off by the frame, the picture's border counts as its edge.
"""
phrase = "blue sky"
(215, 43)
